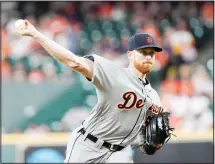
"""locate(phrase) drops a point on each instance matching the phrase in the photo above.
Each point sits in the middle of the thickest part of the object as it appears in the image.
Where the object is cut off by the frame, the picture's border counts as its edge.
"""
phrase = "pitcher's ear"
(129, 53)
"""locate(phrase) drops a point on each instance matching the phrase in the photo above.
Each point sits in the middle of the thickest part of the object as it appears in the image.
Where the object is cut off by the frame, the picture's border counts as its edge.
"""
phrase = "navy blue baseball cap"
(142, 40)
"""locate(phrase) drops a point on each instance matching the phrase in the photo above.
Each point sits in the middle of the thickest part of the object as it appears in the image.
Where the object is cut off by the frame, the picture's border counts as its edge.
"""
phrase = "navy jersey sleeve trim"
(90, 57)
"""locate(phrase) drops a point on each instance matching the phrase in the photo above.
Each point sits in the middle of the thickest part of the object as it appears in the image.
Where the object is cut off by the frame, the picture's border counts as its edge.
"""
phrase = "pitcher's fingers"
(26, 22)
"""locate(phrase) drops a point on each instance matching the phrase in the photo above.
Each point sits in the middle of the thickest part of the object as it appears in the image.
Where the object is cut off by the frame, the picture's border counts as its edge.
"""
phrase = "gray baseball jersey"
(123, 101)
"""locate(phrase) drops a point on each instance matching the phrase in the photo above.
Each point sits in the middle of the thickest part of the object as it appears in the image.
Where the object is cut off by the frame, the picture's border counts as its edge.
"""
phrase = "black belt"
(111, 147)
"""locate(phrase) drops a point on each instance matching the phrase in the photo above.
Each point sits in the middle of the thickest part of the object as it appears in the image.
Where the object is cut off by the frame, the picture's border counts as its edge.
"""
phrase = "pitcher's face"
(142, 59)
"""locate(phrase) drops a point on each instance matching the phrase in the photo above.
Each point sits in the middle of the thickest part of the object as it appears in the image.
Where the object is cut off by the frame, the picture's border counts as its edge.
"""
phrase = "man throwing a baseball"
(128, 113)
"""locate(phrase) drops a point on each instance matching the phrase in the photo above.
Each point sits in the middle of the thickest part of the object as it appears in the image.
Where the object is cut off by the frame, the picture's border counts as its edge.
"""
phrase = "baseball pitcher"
(128, 113)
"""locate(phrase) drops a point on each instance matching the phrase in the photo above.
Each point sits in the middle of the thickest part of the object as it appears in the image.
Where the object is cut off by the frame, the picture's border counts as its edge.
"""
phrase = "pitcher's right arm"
(66, 57)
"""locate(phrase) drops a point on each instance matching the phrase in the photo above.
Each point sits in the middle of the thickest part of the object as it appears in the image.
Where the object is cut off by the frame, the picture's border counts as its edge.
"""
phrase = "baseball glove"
(156, 132)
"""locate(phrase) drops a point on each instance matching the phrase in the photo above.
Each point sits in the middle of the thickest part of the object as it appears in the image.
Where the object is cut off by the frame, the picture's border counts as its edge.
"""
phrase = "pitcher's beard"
(143, 68)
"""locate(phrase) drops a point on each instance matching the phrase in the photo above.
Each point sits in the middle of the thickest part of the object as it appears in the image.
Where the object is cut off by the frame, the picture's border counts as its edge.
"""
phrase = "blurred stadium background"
(43, 101)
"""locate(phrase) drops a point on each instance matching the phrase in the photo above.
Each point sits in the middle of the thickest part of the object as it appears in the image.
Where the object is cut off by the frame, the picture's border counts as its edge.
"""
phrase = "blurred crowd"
(181, 28)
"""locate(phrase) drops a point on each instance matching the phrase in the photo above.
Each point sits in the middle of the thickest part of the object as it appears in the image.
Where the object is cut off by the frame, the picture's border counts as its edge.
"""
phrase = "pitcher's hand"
(25, 28)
